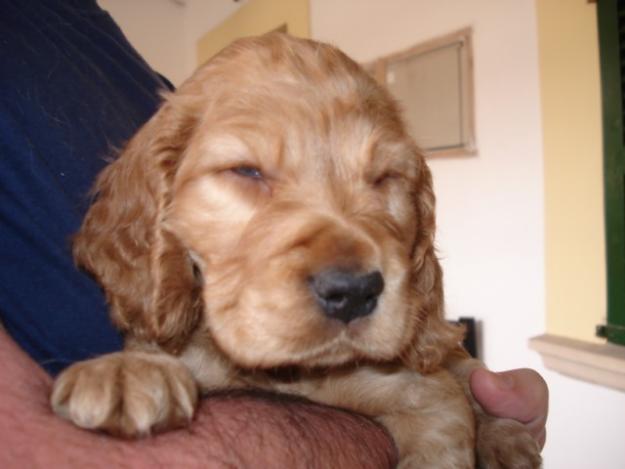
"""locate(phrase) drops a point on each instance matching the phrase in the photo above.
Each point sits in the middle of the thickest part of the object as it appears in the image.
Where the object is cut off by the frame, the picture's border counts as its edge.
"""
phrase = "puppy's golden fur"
(280, 159)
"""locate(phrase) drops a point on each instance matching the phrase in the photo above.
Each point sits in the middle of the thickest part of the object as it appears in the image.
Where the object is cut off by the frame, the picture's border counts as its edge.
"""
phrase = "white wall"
(165, 32)
(201, 16)
(156, 29)
(490, 207)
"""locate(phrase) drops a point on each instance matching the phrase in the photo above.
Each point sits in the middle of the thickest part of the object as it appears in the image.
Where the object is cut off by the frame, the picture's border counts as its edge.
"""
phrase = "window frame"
(379, 67)
(613, 164)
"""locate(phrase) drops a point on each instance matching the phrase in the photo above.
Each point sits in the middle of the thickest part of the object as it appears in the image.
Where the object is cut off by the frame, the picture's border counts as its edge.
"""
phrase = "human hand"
(520, 394)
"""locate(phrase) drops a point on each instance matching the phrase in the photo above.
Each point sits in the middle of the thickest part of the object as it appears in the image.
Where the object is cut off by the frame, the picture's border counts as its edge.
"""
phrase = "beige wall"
(155, 29)
(166, 33)
(571, 113)
(253, 18)
(203, 16)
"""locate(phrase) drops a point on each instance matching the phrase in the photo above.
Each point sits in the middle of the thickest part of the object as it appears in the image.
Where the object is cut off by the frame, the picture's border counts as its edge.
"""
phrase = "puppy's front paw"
(127, 393)
(506, 444)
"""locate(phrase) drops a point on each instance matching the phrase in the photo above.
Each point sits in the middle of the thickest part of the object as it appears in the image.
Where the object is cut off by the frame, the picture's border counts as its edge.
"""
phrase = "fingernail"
(504, 381)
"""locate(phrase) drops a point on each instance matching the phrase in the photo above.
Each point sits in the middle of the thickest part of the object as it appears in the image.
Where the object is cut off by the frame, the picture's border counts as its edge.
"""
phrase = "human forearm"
(256, 430)
(236, 430)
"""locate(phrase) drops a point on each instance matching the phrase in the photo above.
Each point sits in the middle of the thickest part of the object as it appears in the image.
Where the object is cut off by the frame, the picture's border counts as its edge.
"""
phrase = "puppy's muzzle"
(346, 295)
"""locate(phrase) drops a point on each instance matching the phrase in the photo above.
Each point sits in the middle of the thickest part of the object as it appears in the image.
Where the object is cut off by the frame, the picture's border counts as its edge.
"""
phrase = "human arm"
(229, 430)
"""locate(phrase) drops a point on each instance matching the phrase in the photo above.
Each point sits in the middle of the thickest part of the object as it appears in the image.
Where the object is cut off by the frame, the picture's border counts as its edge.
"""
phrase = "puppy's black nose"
(346, 295)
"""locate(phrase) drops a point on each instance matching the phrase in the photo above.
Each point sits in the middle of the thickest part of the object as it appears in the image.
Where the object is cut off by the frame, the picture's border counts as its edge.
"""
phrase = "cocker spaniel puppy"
(274, 213)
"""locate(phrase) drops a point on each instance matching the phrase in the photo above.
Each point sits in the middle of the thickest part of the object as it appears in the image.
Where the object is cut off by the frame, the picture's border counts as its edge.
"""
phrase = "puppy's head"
(282, 173)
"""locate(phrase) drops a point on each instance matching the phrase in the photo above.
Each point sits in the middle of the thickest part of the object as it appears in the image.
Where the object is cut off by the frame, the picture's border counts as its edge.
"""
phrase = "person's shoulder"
(73, 92)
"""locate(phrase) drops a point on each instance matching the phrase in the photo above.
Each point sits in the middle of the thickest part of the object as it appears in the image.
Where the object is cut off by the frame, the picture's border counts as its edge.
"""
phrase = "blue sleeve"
(73, 91)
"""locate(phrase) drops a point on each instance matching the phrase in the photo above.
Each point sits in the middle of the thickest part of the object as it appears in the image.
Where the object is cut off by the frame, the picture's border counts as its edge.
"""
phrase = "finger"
(521, 395)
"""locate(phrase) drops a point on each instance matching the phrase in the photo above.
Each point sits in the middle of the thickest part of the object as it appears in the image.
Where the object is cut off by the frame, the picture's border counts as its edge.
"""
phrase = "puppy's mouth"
(335, 352)
(336, 317)
(341, 343)
(346, 300)
(344, 343)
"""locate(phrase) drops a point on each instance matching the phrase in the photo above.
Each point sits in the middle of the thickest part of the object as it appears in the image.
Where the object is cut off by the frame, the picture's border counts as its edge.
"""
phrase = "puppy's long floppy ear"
(143, 269)
(433, 336)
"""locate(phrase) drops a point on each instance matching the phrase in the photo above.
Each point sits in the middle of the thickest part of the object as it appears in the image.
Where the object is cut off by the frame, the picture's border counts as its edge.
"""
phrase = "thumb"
(520, 394)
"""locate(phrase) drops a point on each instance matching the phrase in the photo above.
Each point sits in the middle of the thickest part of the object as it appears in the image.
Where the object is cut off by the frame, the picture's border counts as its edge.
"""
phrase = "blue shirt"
(72, 92)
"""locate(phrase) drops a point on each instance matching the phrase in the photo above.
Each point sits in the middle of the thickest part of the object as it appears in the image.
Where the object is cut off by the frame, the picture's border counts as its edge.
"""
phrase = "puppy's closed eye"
(387, 177)
(249, 172)
(250, 178)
